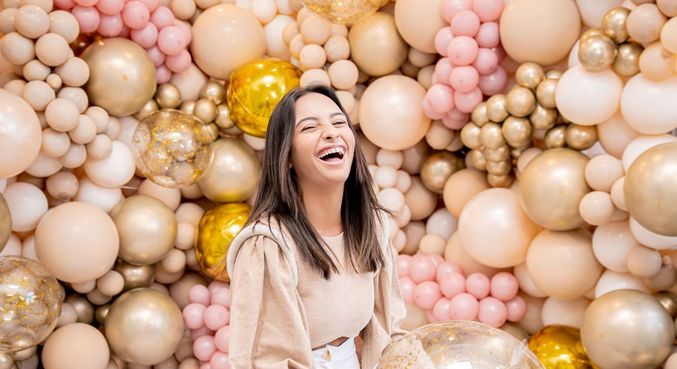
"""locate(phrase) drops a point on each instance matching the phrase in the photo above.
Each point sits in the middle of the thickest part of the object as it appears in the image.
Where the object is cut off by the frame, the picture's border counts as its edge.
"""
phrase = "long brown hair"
(279, 195)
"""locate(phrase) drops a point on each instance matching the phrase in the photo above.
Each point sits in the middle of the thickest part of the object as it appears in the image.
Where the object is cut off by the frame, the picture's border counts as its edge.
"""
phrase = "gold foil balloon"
(121, 75)
(20, 135)
(651, 189)
(344, 11)
(30, 303)
(5, 223)
(597, 53)
(144, 326)
(172, 148)
(552, 186)
(668, 300)
(559, 347)
(437, 168)
(627, 59)
(254, 91)
(627, 329)
(233, 173)
(135, 276)
(580, 137)
(217, 229)
(614, 24)
(458, 344)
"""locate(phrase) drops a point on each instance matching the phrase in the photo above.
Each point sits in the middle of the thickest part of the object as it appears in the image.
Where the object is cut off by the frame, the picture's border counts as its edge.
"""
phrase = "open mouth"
(332, 154)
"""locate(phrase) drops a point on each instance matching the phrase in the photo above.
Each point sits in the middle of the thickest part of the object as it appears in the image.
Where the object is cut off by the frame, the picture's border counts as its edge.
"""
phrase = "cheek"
(302, 150)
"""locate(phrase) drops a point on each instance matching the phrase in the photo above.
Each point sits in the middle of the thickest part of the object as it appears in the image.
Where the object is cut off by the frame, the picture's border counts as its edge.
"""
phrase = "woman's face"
(323, 145)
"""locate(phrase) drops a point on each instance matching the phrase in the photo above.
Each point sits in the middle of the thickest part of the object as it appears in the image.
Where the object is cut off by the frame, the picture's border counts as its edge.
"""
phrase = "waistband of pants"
(336, 353)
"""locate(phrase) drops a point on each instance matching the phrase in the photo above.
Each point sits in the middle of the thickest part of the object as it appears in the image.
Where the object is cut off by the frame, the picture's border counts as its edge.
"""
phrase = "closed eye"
(340, 123)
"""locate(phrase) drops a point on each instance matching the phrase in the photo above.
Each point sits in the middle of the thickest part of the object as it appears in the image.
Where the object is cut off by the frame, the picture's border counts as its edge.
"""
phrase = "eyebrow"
(332, 115)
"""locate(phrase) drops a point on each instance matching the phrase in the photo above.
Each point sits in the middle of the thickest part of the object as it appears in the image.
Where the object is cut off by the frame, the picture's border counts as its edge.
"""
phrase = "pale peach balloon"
(455, 252)
(275, 46)
(189, 82)
(76, 346)
(592, 11)
(644, 262)
(376, 46)
(27, 204)
(602, 171)
(612, 281)
(526, 283)
(102, 197)
(611, 244)
(20, 136)
(651, 239)
(189, 213)
(588, 98)
(420, 200)
(432, 244)
(12, 247)
(564, 312)
(114, 170)
(44, 166)
(461, 187)
(596, 208)
(532, 321)
(648, 106)
(169, 196)
(413, 232)
(419, 34)
(642, 143)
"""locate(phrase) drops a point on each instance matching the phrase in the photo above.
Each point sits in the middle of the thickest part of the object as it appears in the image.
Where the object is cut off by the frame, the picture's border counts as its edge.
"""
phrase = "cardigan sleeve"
(268, 325)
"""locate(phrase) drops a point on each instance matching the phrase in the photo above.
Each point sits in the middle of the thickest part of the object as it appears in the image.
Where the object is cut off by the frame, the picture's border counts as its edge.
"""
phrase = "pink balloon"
(488, 35)
(186, 29)
(477, 285)
(486, 62)
(204, 348)
(88, 18)
(146, 37)
(440, 98)
(426, 294)
(197, 333)
(429, 112)
(458, 115)
(156, 55)
(222, 338)
(64, 4)
(464, 307)
(162, 74)
(125, 31)
(442, 70)
(462, 50)
(86, 2)
(110, 25)
(216, 316)
(494, 83)
(500, 52)
(402, 263)
(517, 308)
(218, 286)
(488, 10)
(465, 23)
(492, 312)
(442, 39)
(199, 294)
(221, 297)
(162, 17)
(421, 268)
(179, 62)
(135, 14)
(452, 285)
(407, 287)
(464, 79)
(219, 361)
(205, 366)
(431, 317)
(504, 286)
(110, 7)
(453, 123)
(442, 309)
(193, 315)
(447, 268)
(436, 259)
(466, 102)
(171, 40)
(451, 7)
(151, 5)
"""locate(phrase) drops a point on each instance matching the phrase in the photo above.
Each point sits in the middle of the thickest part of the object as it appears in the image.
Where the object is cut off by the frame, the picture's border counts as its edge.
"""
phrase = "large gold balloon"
(217, 229)
(437, 168)
(172, 148)
(344, 11)
(121, 75)
(559, 347)
(233, 173)
(30, 303)
(552, 186)
(144, 326)
(627, 329)
(651, 189)
(255, 89)
(5, 222)
(135, 276)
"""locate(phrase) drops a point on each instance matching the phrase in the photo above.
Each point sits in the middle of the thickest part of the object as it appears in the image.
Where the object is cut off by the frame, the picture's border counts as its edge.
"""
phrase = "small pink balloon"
(504, 286)
(466, 102)
(219, 361)
(171, 40)
(449, 8)
(216, 316)
(193, 315)
(402, 263)
(464, 307)
(179, 62)
(429, 112)
(197, 333)
(421, 269)
(221, 297)
(442, 70)
(185, 29)
(465, 23)
(222, 338)
(492, 312)
(146, 37)
(436, 259)
(426, 294)
(500, 52)
(407, 287)
(110, 25)
(462, 50)
(458, 115)
(452, 285)
(453, 123)
(156, 55)
(64, 4)
(162, 74)
(110, 7)
(488, 35)
(477, 285)
(488, 10)
(447, 268)
(494, 83)
(464, 79)
(440, 98)
(442, 309)
(517, 308)
(442, 39)
(486, 62)
(135, 14)
(199, 294)
(88, 18)
(162, 17)
(431, 317)
(151, 5)
(86, 2)
(126, 31)
(204, 348)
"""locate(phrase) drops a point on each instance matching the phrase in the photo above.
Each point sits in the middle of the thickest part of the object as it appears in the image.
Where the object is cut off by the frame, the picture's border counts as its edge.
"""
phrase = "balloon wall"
(526, 149)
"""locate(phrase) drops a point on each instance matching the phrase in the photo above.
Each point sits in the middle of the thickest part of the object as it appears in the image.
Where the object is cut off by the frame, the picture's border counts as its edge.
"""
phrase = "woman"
(314, 268)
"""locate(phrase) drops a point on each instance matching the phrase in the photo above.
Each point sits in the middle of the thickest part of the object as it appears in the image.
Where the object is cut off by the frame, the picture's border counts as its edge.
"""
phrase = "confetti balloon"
(5, 223)
(255, 89)
(559, 347)
(172, 148)
(30, 303)
(217, 229)
(344, 11)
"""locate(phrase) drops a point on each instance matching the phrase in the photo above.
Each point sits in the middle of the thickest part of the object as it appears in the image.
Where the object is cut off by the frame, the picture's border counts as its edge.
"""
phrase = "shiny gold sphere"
(83, 308)
(499, 168)
(669, 301)
(592, 32)
(500, 180)
(168, 96)
(188, 107)
(101, 312)
(553, 74)
(437, 168)
(560, 347)
(497, 108)
(529, 75)
(135, 276)
(545, 93)
(614, 24)
(235, 160)
(479, 114)
(543, 118)
(627, 59)
(214, 92)
(580, 137)
(517, 132)
(500, 154)
(223, 120)
(491, 136)
(555, 137)
(150, 107)
(520, 101)
(477, 159)
(597, 53)
(205, 110)
(470, 136)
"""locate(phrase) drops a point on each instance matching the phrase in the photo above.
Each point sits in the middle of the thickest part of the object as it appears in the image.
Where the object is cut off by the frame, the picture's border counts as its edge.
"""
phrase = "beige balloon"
(233, 173)
(461, 187)
(376, 46)
(552, 186)
(564, 312)
(418, 34)
(76, 346)
(226, 37)
(615, 134)
(147, 229)
(586, 98)
(20, 135)
(144, 326)
(592, 11)
(648, 106)
(456, 253)
(121, 75)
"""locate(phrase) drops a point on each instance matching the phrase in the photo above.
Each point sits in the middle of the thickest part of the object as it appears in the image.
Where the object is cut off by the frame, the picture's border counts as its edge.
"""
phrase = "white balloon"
(565, 312)
(275, 46)
(27, 204)
(612, 281)
(611, 244)
(104, 198)
(441, 223)
(649, 106)
(651, 239)
(114, 170)
(640, 144)
(588, 98)
(592, 11)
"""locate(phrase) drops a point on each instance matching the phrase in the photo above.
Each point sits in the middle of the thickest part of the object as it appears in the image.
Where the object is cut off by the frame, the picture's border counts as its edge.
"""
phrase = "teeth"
(331, 150)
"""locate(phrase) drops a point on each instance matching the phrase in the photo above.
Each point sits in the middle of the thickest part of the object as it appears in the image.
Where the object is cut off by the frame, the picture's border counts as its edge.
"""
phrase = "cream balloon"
(26, 203)
(648, 106)
(232, 159)
(611, 244)
(76, 346)
(114, 170)
(651, 239)
(592, 11)
(564, 312)
(456, 253)
(614, 281)
(104, 198)
(640, 145)
(588, 98)
(526, 283)
(20, 135)
(420, 35)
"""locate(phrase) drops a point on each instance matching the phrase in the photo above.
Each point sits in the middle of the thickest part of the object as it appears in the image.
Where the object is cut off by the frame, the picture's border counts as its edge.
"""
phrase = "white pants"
(341, 357)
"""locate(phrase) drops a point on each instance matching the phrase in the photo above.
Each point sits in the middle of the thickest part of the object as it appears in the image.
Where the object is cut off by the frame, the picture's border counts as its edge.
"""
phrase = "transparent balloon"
(344, 11)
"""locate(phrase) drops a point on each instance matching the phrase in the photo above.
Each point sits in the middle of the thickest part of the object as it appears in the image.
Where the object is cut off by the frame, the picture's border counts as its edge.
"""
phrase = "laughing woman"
(314, 268)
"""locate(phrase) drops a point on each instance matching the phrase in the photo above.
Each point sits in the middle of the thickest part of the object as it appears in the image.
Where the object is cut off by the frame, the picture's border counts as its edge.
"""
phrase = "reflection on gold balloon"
(627, 59)
(555, 138)
(491, 136)
(479, 114)
(81, 42)
(497, 108)
(30, 303)
(121, 75)
(5, 222)
(477, 159)
(233, 173)
(147, 109)
(344, 11)
(597, 53)
(651, 189)
(171, 148)
(255, 89)
(83, 308)
(580, 137)
(614, 24)
(437, 168)
(135, 276)
(559, 347)
(217, 229)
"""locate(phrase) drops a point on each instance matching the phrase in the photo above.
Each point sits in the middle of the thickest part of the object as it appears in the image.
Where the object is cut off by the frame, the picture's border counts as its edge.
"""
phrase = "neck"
(323, 207)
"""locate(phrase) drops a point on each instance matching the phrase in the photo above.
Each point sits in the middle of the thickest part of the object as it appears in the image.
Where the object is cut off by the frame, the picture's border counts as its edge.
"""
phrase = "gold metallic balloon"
(499, 168)
(5, 222)
(188, 107)
(545, 93)
(497, 108)
(233, 173)
(555, 137)
(627, 329)
(580, 137)
(83, 308)
(6, 361)
(437, 168)
(135, 276)
(517, 132)
(479, 114)
(543, 118)
(614, 24)
(223, 120)
(597, 53)
(101, 312)
(491, 136)
(470, 136)
(121, 75)
(668, 300)
(551, 188)
(214, 92)
(504, 181)
(255, 89)
(171, 148)
(520, 101)
(345, 11)
(147, 109)
(553, 74)
(592, 32)
(651, 189)
(205, 110)
(30, 303)
(559, 347)
(144, 326)
(25, 354)
(496, 155)
(477, 159)
(627, 59)
(216, 230)
(168, 96)
(81, 42)
(529, 75)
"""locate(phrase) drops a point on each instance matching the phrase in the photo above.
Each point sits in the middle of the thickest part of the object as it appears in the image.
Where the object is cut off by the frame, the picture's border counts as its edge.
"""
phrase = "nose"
(330, 133)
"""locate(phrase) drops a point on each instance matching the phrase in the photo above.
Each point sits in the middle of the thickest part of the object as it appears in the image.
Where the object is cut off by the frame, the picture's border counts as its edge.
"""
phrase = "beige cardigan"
(268, 326)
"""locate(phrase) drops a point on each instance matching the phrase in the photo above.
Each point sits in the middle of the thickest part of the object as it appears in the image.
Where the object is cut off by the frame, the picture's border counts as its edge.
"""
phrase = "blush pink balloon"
(426, 294)
(88, 18)
(429, 112)
(462, 50)
(440, 98)
(500, 52)
(421, 268)
(219, 361)
(162, 74)
(449, 8)
(492, 312)
(135, 14)
(110, 25)
(156, 55)
(204, 348)
(110, 7)
(216, 316)
(199, 294)
(171, 40)
(517, 309)
(477, 285)
(436, 259)
(146, 37)
(64, 4)
(162, 17)
(464, 307)
(447, 268)
(465, 23)
(125, 31)
(193, 315)
(466, 102)
(464, 79)
(442, 70)
(407, 287)
(431, 317)
(222, 338)
(197, 333)
(151, 5)
(486, 62)
(442, 39)
(504, 286)
(186, 29)
(488, 10)
(218, 286)
(86, 2)
(205, 366)
(222, 298)
(494, 83)
(452, 285)
(488, 35)
(453, 123)
(458, 115)
(442, 309)
(402, 264)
